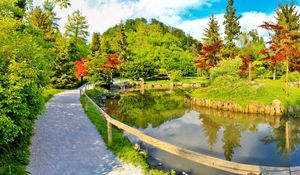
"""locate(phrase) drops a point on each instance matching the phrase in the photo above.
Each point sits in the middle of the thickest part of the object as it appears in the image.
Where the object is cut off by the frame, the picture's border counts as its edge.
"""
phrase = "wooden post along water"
(109, 133)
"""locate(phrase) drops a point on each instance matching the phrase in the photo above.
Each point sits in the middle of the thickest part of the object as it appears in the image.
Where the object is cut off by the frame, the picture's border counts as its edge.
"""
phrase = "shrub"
(176, 75)
(229, 67)
(138, 69)
(293, 77)
(8, 130)
(162, 72)
(25, 69)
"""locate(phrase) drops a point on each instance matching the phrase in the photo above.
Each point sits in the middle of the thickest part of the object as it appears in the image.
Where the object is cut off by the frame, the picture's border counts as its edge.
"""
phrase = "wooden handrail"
(224, 165)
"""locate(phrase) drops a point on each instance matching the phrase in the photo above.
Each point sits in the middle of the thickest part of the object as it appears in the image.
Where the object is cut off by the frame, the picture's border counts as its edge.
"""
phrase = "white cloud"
(103, 14)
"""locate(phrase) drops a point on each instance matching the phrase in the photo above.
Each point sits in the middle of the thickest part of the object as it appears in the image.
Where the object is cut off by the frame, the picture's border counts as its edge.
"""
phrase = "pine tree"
(77, 26)
(210, 54)
(48, 8)
(211, 34)
(96, 43)
(288, 16)
(41, 20)
(232, 29)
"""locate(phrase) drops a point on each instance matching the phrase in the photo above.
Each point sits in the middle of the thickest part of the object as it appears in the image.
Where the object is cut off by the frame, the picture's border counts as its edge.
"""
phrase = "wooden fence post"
(109, 133)
(86, 103)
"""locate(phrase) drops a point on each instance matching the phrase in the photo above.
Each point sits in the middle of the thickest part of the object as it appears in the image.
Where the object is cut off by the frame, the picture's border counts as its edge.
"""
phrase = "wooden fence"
(224, 165)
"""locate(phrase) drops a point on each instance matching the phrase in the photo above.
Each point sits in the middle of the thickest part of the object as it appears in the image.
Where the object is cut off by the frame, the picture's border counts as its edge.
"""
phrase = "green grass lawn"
(13, 161)
(49, 92)
(121, 146)
(261, 91)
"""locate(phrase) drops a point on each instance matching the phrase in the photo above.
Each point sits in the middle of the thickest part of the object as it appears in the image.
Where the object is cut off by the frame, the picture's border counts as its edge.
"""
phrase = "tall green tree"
(232, 29)
(212, 34)
(40, 19)
(77, 26)
(48, 8)
(96, 43)
(210, 53)
(288, 16)
(121, 45)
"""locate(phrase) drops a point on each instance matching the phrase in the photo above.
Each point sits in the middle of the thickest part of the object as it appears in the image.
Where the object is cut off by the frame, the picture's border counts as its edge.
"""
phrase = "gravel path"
(67, 143)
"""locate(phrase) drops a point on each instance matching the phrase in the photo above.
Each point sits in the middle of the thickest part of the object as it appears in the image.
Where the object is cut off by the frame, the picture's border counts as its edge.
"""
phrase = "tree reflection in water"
(152, 107)
(286, 136)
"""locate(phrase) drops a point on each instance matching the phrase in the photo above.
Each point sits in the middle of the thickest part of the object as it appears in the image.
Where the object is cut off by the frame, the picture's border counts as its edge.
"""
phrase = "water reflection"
(152, 107)
(244, 138)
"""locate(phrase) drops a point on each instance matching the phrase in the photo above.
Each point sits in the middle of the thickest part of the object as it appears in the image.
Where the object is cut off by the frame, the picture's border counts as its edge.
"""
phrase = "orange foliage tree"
(80, 69)
(209, 56)
(112, 63)
(284, 46)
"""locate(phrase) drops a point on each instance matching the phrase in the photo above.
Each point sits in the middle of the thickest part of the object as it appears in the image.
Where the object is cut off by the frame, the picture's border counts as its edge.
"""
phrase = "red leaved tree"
(246, 66)
(81, 70)
(112, 63)
(209, 56)
(284, 46)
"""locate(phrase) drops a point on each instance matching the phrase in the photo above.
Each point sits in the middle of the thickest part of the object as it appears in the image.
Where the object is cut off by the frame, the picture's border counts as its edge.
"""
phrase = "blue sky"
(265, 6)
(188, 15)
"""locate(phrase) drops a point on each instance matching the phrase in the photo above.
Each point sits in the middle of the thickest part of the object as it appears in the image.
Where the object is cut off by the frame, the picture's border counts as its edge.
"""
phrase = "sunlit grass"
(244, 93)
(121, 146)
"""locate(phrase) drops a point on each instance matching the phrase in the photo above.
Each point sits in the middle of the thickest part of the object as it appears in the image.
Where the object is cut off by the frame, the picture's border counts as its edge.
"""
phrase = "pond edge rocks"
(276, 108)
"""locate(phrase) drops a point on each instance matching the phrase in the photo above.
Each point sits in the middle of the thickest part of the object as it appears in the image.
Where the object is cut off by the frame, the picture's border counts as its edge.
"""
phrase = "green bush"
(293, 77)
(230, 67)
(162, 72)
(138, 69)
(8, 130)
(176, 75)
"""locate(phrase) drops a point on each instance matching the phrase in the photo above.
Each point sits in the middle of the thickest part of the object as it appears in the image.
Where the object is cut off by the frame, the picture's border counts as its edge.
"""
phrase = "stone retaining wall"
(294, 84)
(276, 108)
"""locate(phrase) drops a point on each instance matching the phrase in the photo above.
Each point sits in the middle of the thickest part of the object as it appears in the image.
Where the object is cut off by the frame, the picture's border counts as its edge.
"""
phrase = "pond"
(244, 138)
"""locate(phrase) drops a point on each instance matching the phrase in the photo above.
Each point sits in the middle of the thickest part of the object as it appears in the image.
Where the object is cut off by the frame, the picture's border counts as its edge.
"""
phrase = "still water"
(243, 138)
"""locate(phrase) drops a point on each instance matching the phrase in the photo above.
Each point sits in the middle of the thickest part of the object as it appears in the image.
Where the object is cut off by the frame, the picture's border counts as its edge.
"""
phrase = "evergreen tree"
(77, 31)
(48, 8)
(211, 34)
(210, 54)
(288, 16)
(40, 19)
(96, 43)
(232, 29)
(77, 26)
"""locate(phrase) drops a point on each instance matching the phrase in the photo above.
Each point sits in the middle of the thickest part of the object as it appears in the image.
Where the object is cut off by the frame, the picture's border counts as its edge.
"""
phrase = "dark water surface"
(244, 138)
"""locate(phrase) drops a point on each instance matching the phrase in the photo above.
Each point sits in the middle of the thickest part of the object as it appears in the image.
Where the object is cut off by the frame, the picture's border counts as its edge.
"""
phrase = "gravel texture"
(67, 143)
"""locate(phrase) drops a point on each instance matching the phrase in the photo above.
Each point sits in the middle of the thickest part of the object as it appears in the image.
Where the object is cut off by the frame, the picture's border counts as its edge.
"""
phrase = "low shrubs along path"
(66, 142)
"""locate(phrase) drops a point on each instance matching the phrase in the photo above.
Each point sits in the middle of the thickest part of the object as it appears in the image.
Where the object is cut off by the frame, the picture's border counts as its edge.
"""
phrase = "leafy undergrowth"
(121, 146)
(13, 159)
(244, 93)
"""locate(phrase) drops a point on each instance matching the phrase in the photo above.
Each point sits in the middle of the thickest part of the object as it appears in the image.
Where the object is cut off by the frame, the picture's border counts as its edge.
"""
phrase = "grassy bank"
(14, 159)
(244, 93)
(182, 80)
(50, 92)
(121, 146)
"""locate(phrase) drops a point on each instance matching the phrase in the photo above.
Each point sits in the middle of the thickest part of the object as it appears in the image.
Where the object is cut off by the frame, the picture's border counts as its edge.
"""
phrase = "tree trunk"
(274, 73)
(287, 139)
(287, 78)
(249, 71)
